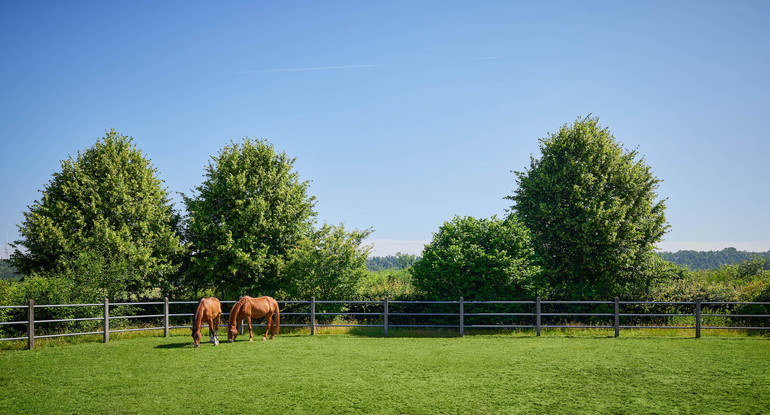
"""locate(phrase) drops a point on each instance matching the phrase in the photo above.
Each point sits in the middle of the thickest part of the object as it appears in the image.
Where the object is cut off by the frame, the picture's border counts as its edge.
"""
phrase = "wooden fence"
(451, 315)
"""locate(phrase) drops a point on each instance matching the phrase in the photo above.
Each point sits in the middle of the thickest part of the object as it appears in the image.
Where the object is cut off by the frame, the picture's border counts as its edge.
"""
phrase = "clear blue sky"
(401, 114)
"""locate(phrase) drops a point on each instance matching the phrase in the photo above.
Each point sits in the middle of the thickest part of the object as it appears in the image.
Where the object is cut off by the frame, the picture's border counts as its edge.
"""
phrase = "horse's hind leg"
(269, 318)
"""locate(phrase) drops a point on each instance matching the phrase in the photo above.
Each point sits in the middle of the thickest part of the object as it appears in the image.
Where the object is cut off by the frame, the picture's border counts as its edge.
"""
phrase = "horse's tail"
(277, 318)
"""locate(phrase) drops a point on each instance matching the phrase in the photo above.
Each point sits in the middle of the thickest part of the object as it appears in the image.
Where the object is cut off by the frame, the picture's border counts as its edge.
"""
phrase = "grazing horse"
(209, 309)
(248, 308)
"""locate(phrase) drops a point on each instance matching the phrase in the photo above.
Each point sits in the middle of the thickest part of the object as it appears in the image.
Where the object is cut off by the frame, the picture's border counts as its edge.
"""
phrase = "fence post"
(537, 312)
(617, 316)
(165, 317)
(312, 316)
(462, 317)
(106, 320)
(697, 318)
(385, 317)
(31, 324)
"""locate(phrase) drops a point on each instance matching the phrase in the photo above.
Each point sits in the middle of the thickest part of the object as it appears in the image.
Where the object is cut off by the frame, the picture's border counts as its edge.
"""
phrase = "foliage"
(696, 260)
(592, 210)
(43, 290)
(104, 223)
(746, 282)
(738, 275)
(395, 284)
(480, 259)
(328, 264)
(244, 220)
(692, 286)
(396, 262)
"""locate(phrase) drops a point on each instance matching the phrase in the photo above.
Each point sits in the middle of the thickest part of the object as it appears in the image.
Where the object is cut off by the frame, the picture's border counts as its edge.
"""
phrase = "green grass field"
(345, 373)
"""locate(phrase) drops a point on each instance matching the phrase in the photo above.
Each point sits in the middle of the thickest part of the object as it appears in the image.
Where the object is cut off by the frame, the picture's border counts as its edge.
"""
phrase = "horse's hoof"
(251, 340)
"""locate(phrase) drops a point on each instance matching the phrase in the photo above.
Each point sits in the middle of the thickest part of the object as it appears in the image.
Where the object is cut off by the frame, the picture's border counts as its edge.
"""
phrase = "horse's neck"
(246, 307)
(198, 317)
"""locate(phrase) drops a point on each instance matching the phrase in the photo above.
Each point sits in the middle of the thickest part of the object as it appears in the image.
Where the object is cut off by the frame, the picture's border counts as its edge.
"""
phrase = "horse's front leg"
(211, 331)
(251, 335)
(216, 330)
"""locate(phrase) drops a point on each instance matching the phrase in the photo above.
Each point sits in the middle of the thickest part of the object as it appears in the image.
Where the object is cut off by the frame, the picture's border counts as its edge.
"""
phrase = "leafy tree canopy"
(593, 211)
(479, 259)
(104, 222)
(245, 218)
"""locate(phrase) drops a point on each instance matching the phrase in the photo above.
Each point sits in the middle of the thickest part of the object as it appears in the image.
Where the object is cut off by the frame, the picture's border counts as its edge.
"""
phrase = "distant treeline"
(398, 261)
(7, 272)
(696, 260)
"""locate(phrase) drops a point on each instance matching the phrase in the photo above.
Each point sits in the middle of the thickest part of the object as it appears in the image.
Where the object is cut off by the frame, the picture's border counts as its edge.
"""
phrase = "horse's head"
(196, 335)
(232, 333)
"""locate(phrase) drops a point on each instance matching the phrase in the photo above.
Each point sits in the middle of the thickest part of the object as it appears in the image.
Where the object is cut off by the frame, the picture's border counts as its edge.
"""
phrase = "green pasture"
(348, 373)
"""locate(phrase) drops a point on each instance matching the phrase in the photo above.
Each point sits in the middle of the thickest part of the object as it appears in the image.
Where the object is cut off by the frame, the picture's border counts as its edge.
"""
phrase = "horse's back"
(211, 306)
(261, 306)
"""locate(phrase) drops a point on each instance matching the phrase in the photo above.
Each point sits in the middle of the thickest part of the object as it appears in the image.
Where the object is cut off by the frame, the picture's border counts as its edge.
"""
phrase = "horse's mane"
(233, 317)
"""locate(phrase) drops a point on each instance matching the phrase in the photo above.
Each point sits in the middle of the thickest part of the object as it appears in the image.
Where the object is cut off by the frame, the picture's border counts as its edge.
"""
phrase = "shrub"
(480, 259)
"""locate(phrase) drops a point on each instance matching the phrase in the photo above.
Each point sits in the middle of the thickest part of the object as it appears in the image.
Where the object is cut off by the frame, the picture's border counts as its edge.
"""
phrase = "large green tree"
(103, 222)
(246, 217)
(479, 259)
(593, 210)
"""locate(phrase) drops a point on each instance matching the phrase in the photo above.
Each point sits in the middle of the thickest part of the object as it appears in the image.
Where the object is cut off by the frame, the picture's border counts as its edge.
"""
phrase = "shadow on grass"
(174, 345)
(408, 332)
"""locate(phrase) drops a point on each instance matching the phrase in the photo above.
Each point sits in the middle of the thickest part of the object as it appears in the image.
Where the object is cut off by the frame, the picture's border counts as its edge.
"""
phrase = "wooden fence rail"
(386, 315)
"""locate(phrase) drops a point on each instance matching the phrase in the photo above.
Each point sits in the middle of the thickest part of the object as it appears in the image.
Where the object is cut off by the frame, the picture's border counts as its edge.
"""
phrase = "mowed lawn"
(343, 373)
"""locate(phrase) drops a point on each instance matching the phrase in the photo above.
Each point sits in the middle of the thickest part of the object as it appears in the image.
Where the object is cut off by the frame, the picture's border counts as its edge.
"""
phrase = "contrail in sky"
(319, 68)
(328, 68)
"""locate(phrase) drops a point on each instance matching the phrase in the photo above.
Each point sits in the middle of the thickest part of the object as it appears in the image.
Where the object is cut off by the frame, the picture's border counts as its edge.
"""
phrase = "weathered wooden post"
(537, 312)
(385, 317)
(462, 317)
(31, 324)
(165, 317)
(697, 318)
(617, 316)
(312, 316)
(106, 320)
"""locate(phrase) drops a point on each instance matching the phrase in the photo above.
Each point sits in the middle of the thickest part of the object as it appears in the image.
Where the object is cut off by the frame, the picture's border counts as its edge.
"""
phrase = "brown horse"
(248, 308)
(209, 309)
